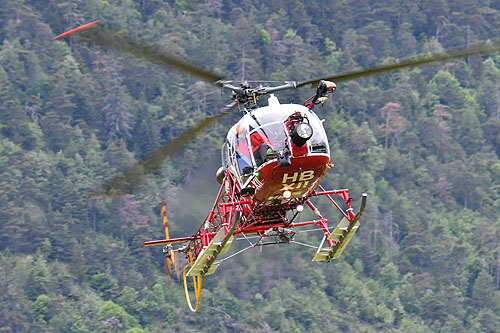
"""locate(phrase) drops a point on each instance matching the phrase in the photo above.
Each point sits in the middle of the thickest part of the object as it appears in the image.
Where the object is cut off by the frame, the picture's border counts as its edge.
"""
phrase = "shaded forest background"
(423, 143)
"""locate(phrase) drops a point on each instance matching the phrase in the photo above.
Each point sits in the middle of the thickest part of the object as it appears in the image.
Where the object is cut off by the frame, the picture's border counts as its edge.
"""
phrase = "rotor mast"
(247, 96)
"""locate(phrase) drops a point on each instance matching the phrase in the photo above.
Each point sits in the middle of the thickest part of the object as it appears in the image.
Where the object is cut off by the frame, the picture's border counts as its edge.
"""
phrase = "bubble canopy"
(267, 126)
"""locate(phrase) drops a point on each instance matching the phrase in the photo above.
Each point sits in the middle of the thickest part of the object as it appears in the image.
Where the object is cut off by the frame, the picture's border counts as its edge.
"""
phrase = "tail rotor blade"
(168, 269)
(176, 269)
(170, 256)
(164, 217)
(171, 260)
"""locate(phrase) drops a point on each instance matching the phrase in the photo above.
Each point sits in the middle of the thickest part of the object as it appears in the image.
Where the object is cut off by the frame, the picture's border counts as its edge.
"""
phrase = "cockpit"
(273, 132)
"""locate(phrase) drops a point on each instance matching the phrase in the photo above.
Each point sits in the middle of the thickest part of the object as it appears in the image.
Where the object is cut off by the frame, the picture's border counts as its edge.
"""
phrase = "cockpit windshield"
(267, 139)
(259, 135)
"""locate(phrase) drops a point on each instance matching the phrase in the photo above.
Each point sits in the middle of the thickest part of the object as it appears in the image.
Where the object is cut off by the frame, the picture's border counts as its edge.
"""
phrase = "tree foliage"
(423, 142)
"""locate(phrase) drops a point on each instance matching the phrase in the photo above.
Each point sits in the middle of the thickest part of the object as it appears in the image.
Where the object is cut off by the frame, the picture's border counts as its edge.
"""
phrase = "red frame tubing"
(221, 215)
(257, 217)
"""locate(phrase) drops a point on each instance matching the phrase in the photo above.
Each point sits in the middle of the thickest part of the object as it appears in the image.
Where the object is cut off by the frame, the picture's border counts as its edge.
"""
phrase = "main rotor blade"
(474, 49)
(126, 181)
(96, 33)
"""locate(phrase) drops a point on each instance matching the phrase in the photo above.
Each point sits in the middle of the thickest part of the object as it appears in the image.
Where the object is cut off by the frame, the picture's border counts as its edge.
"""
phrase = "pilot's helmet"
(241, 128)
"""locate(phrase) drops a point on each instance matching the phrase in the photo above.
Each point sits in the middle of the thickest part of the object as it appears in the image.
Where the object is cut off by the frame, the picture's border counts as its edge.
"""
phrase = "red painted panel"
(301, 177)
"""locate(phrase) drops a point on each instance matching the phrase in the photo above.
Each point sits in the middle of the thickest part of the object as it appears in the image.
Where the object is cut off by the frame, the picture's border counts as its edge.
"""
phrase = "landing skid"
(340, 236)
(236, 213)
(206, 264)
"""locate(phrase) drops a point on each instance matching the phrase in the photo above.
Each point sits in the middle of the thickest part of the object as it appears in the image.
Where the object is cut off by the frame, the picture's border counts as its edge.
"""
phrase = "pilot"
(243, 152)
(261, 147)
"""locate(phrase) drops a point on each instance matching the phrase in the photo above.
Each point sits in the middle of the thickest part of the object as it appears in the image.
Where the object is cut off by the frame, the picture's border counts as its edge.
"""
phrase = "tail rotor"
(171, 258)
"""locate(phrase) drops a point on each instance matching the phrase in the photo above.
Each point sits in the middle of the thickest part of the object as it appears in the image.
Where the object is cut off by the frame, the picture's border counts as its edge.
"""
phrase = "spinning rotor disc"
(96, 33)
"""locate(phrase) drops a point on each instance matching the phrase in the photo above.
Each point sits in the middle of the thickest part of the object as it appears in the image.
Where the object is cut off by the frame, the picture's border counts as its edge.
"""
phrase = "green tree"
(42, 307)
(14, 122)
(112, 317)
(484, 293)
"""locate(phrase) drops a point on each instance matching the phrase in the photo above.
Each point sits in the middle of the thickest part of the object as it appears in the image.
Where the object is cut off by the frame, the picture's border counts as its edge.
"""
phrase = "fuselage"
(261, 153)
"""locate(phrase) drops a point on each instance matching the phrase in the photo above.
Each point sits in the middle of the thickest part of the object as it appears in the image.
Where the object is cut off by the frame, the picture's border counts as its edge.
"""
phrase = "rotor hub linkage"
(248, 96)
(324, 88)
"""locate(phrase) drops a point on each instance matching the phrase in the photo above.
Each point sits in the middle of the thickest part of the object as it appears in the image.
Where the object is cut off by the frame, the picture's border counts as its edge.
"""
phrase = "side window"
(243, 156)
(225, 153)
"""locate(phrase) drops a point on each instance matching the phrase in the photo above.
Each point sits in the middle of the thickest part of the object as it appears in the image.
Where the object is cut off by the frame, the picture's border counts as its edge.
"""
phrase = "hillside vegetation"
(423, 143)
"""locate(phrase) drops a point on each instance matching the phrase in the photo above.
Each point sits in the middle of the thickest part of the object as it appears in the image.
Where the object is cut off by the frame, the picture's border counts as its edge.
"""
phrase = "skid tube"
(342, 234)
(349, 229)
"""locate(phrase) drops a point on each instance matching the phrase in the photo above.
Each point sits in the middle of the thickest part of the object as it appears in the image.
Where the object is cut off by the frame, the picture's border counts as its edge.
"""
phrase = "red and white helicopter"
(274, 159)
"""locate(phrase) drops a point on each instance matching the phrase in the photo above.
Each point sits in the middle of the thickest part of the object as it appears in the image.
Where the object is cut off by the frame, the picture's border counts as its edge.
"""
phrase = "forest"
(424, 143)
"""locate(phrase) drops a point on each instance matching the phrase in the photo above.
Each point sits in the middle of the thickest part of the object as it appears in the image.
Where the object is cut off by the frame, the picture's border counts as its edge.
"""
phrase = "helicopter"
(273, 162)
